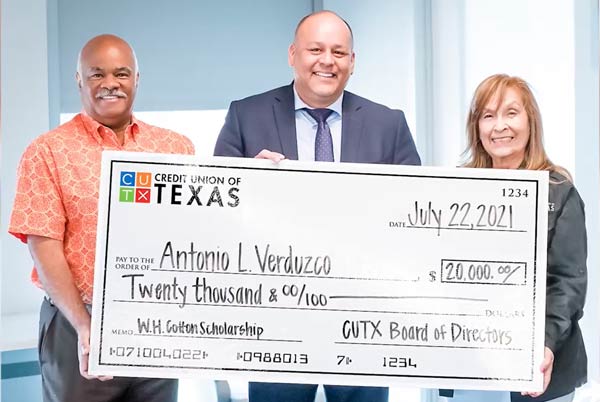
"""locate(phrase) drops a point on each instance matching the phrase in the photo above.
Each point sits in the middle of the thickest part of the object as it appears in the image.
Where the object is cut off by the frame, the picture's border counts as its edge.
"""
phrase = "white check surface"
(320, 273)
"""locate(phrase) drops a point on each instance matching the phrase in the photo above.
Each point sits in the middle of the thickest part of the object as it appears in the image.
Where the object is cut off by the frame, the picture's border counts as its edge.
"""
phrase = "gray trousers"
(61, 381)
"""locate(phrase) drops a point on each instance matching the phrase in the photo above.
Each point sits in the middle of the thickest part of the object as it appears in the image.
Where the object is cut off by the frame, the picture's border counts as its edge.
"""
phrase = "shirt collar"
(335, 106)
(101, 132)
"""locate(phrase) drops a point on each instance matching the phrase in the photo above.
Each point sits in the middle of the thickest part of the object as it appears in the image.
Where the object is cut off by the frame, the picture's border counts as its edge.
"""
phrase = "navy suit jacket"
(371, 133)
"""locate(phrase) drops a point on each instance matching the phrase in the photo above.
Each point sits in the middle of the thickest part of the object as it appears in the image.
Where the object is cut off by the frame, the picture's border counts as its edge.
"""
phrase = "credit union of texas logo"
(135, 187)
(178, 189)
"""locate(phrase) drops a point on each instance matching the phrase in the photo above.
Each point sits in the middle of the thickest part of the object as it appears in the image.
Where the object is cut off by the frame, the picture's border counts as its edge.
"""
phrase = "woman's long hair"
(535, 156)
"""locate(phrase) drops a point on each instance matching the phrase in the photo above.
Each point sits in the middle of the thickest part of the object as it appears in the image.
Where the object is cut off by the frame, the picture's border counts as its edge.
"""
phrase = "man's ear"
(78, 79)
(291, 54)
(137, 79)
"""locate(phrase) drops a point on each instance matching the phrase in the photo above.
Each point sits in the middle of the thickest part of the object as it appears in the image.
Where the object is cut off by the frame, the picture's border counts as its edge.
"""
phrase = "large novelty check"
(319, 272)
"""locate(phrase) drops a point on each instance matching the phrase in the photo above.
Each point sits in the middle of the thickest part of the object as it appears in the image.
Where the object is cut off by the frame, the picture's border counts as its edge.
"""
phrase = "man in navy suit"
(279, 124)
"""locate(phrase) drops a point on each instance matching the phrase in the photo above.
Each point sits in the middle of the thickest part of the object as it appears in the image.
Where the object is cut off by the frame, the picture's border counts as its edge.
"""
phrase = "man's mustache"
(103, 93)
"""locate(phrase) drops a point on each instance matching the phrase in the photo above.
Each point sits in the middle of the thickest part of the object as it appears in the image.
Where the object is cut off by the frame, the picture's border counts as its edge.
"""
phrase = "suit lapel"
(352, 128)
(285, 121)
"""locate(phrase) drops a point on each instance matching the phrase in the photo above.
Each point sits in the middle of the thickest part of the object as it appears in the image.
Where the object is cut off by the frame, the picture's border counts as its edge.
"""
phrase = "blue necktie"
(323, 141)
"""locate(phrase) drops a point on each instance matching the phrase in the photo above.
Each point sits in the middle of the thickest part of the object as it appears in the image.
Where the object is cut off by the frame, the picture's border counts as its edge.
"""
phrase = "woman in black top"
(504, 129)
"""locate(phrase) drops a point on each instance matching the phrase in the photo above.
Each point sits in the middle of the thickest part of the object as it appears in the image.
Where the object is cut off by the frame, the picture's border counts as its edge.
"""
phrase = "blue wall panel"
(192, 54)
(21, 381)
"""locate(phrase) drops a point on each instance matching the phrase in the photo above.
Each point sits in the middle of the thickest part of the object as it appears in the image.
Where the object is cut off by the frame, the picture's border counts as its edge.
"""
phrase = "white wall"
(533, 39)
(25, 115)
(448, 98)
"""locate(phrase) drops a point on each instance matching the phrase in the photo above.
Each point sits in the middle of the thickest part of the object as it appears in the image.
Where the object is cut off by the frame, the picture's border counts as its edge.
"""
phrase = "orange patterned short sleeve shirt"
(58, 185)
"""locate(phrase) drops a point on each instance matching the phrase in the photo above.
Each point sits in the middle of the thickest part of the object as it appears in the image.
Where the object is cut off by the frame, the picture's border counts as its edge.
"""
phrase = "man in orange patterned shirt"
(55, 213)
